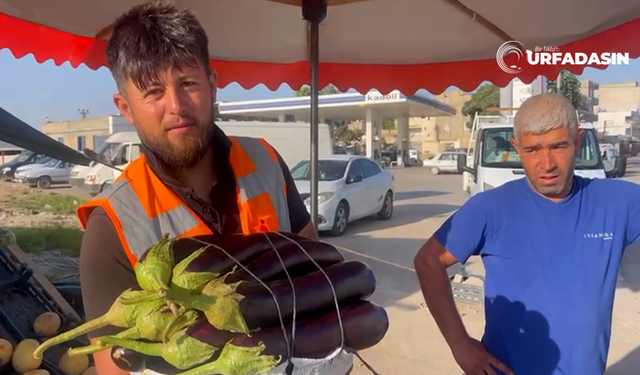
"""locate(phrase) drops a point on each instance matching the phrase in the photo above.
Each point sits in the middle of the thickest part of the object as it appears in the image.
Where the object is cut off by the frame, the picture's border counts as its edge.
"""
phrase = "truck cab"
(119, 150)
(492, 161)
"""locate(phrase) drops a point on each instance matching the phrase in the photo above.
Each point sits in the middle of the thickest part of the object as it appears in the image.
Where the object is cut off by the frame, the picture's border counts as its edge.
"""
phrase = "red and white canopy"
(383, 44)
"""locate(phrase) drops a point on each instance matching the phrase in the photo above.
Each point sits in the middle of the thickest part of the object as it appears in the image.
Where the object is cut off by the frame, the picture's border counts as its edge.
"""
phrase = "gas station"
(372, 108)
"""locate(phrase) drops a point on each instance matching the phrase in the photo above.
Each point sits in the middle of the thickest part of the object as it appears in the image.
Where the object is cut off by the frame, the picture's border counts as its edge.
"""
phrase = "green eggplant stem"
(238, 360)
(153, 271)
(181, 351)
(131, 333)
(146, 348)
(83, 329)
(179, 322)
(142, 298)
(119, 315)
(190, 281)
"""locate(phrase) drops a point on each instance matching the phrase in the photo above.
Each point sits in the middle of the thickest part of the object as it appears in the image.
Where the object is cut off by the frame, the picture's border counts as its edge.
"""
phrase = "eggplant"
(198, 264)
(243, 247)
(132, 361)
(352, 281)
(242, 307)
(269, 266)
(128, 360)
(365, 325)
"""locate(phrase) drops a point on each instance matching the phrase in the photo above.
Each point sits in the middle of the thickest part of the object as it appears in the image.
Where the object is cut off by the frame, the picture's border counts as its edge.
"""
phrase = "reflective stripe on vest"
(268, 177)
(139, 230)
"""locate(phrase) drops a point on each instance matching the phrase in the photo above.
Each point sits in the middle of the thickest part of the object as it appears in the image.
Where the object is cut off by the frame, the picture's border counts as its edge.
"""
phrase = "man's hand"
(474, 359)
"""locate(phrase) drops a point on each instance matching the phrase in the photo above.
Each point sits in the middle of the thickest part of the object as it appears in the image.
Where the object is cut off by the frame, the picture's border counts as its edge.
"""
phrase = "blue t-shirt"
(551, 270)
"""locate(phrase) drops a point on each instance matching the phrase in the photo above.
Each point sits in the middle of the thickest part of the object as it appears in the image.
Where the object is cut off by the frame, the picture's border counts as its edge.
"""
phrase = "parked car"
(26, 167)
(52, 173)
(446, 161)
(8, 169)
(350, 188)
(339, 150)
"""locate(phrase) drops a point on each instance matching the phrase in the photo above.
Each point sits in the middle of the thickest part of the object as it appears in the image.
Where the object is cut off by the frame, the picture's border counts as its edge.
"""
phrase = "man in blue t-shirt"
(551, 245)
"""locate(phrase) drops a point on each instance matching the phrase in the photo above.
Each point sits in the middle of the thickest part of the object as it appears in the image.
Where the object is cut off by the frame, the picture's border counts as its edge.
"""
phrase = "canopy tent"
(383, 44)
(17, 132)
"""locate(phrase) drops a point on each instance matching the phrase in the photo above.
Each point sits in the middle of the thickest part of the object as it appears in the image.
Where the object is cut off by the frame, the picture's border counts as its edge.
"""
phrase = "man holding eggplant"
(551, 244)
(192, 179)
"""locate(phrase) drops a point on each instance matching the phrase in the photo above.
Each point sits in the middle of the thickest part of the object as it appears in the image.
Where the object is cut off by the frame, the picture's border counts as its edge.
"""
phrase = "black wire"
(365, 363)
(291, 345)
(273, 295)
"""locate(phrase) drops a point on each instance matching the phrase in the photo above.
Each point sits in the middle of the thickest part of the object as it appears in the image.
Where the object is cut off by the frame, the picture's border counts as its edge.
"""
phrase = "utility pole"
(83, 113)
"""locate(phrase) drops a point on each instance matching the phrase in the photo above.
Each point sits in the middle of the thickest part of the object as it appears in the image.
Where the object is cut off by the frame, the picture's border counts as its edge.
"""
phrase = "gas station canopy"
(350, 106)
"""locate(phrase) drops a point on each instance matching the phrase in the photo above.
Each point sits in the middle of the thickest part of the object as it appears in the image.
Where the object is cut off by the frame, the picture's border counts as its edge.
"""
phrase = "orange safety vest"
(142, 208)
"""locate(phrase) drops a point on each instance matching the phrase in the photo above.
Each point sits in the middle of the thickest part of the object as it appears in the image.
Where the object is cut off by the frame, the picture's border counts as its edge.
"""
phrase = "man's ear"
(123, 106)
(515, 144)
(213, 81)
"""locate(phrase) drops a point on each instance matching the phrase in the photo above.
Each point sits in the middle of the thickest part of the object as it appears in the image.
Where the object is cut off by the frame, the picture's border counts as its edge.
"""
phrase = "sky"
(33, 92)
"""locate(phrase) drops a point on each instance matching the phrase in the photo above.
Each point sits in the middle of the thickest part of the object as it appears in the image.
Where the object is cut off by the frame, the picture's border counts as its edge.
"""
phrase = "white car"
(24, 168)
(44, 175)
(446, 161)
(350, 187)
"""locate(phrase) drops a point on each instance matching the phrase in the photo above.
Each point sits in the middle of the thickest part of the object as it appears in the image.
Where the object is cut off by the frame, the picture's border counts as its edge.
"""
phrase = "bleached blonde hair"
(542, 113)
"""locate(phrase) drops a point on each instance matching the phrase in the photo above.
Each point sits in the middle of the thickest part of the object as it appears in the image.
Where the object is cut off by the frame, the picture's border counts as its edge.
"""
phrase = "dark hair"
(153, 37)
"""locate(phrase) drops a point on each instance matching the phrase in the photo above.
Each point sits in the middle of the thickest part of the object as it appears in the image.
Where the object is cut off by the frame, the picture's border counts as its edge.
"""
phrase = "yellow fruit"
(22, 359)
(47, 324)
(75, 365)
(6, 349)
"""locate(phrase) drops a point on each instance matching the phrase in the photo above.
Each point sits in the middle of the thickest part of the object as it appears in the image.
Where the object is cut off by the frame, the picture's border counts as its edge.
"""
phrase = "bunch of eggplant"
(228, 304)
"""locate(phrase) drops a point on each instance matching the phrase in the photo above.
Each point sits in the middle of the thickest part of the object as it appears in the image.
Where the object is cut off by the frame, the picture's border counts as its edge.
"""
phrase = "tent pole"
(314, 39)
(314, 11)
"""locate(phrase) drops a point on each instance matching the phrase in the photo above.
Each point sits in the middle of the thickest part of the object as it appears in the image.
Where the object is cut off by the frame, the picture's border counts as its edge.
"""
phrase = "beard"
(185, 151)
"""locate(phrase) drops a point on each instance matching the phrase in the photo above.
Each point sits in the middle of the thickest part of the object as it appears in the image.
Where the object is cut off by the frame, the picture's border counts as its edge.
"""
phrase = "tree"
(388, 124)
(306, 90)
(485, 97)
(570, 89)
(344, 134)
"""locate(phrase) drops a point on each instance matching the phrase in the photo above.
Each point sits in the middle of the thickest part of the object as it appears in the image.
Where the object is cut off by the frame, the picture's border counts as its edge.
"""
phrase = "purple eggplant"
(297, 261)
(365, 325)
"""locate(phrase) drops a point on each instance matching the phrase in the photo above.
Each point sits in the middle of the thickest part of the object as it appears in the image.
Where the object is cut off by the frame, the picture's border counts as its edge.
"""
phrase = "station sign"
(376, 96)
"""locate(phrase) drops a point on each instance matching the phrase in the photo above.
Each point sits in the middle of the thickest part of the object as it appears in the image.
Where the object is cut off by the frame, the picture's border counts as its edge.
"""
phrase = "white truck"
(491, 160)
(117, 124)
(290, 139)
(118, 150)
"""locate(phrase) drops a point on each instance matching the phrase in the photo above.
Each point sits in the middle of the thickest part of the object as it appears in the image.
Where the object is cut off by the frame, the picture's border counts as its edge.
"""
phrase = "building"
(588, 90)
(614, 97)
(436, 134)
(516, 92)
(8, 151)
(87, 132)
(619, 123)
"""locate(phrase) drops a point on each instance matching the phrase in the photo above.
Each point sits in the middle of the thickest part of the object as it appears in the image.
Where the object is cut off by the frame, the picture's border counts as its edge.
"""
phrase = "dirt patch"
(45, 227)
